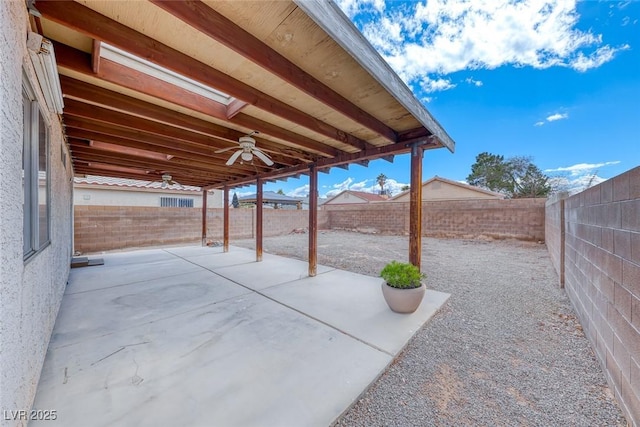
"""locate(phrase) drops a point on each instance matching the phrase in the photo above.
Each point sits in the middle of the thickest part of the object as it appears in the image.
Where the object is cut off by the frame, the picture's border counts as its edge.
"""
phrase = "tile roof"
(131, 183)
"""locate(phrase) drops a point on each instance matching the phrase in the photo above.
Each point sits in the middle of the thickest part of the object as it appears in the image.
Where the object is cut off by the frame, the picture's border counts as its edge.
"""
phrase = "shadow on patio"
(194, 336)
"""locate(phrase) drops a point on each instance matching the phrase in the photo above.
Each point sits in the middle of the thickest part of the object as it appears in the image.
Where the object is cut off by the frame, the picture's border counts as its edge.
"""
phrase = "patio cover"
(156, 87)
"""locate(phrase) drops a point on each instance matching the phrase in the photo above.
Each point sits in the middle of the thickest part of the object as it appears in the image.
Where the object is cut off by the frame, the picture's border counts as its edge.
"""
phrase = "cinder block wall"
(518, 218)
(102, 228)
(602, 278)
(554, 233)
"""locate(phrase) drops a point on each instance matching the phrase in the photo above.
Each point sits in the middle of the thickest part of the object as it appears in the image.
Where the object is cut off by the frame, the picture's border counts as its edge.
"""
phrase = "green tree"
(382, 180)
(532, 183)
(405, 188)
(234, 202)
(516, 177)
(280, 191)
(490, 172)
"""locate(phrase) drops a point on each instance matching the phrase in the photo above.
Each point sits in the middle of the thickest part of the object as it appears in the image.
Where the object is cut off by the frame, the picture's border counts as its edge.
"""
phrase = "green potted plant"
(402, 288)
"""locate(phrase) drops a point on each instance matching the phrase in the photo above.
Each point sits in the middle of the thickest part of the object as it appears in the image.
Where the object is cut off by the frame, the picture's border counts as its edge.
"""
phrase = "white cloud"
(435, 85)
(302, 191)
(425, 41)
(557, 116)
(367, 186)
(553, 118)
(471, 81)
(580, 169)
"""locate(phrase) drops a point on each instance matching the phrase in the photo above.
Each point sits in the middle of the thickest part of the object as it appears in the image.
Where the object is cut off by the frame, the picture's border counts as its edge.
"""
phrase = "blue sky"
(555, 80)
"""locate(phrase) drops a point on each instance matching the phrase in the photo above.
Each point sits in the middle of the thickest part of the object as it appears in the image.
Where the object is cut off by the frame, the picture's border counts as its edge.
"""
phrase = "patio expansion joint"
(133, 283)
(375, 347)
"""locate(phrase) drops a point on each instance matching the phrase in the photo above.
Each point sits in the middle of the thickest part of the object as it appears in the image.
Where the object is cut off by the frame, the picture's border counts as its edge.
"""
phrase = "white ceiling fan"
(247, 150)
(167, 180)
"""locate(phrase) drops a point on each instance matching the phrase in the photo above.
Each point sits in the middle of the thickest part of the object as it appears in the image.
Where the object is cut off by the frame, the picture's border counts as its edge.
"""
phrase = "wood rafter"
(76, 108)
(78, 61)
(82, 149)
(75, 89)
(95, 131)
(221, 29)
(363, 156)
(86, 21)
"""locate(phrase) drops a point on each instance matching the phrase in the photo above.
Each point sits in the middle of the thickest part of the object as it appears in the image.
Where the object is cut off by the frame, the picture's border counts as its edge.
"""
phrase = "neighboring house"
(273, 200)
(438, 188)
(350, 197)
(106, 191)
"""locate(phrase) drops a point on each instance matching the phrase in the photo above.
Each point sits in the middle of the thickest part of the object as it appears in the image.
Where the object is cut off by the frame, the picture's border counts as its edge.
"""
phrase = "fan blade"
(225, 149)
(263, 156)
(233, 157)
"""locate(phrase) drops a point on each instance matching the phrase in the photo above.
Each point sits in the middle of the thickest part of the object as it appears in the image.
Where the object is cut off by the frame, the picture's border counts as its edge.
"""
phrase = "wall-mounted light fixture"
(44, 62)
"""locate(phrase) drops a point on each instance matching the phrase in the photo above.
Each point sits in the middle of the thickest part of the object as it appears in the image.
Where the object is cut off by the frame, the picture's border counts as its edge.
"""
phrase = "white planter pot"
(403, 300)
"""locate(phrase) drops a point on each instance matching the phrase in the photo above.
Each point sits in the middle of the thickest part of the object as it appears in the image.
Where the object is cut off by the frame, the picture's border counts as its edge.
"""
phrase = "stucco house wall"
(104, 195)
(443, 189)
(30, 291)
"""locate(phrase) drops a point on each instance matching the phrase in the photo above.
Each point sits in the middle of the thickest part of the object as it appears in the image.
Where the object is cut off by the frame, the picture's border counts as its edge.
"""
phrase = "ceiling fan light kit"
(247, 150)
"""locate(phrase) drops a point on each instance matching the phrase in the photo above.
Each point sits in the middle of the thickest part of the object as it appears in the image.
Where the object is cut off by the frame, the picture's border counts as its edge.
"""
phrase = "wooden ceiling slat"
(85, 20)
(89, 130)
(226, 32)
(93, 112)
(78, 61)
(175, 164)
(96, 95)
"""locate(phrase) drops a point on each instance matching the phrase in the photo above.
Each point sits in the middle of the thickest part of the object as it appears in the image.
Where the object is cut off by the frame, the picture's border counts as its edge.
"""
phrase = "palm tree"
(382, 179)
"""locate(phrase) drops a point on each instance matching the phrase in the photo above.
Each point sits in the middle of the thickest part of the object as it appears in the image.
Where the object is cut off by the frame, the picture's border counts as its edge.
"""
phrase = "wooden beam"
(225, 232)
(93, 130)
(371, 154)
(259, 219)
(150, 164)
(88, 93)
(218, 27)
(204, 217)
(95, 56)
(415, 206)
(313, 220)
(234, 108)
(91, 23)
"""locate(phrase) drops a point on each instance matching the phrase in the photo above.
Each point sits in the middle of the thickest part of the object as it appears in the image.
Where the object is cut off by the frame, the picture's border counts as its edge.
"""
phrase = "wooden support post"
(313, 220)
(415, 206)
(204, 217)
(225, 232)
(259, 219)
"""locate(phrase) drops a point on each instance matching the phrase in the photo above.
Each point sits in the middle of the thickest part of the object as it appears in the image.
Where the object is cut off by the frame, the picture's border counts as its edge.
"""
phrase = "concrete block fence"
(594, 241)
(102, 228)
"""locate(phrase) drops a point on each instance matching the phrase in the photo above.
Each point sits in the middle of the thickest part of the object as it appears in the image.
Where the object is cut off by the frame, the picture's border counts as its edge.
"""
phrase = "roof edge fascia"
(327, 15)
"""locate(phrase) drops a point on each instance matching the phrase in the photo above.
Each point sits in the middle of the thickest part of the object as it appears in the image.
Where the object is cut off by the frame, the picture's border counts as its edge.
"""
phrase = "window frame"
(34, 119)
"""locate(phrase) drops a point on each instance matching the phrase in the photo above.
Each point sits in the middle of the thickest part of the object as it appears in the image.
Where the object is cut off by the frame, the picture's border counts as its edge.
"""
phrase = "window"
(175, 202)
(35, 175)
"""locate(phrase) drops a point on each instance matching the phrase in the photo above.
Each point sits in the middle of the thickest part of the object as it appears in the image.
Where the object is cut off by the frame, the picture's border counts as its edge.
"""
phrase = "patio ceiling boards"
(159, 86)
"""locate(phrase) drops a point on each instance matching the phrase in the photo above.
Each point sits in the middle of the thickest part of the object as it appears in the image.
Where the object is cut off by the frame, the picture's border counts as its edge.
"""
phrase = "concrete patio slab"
(273, 270)
(195, 346)
(109, 274)
(116, 308)
(354, 304)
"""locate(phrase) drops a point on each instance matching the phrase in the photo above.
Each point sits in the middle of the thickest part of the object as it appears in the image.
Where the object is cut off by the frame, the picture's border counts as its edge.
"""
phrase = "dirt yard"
(505, 350)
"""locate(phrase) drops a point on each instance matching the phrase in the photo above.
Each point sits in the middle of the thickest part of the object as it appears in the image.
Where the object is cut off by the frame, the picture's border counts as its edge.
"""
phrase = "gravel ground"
(505, 350)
